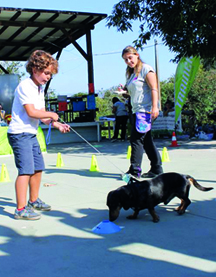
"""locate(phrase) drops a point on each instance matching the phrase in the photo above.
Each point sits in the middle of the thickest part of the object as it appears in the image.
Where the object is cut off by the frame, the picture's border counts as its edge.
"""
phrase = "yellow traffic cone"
(4, 174)
(94, 164)
(165, 156)
(59, 162)
(129, 152)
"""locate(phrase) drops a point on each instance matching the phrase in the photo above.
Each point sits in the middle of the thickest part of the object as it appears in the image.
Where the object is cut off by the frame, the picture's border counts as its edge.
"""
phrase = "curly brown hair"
(40, 60)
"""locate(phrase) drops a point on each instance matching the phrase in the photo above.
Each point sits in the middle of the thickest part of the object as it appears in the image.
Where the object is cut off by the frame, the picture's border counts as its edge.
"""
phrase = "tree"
(12, 68)
(187, 27)
(167, 91)
(201, 98)
(104, 102)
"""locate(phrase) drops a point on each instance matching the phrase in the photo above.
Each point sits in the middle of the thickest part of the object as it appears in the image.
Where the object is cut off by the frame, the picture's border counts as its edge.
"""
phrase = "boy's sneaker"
(136, 176)
(39, 205)
(27, 214)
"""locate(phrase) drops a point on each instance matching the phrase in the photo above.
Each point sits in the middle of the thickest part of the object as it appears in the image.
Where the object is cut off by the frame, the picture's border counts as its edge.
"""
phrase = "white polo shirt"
(27, 92)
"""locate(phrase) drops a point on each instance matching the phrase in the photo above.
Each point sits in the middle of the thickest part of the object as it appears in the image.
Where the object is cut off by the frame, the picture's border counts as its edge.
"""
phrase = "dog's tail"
(196, 184)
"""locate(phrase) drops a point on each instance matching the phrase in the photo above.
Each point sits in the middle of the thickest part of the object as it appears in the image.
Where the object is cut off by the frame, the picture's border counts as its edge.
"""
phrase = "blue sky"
(107, 44)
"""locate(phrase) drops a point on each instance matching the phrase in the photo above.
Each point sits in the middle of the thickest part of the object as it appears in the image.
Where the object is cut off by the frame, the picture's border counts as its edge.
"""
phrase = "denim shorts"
(27, 153)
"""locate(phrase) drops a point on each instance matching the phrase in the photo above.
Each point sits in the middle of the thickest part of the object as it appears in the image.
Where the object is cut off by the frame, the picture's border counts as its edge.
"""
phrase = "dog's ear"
(113, 199)
(126, 206)
(125, 198)
(109, 197)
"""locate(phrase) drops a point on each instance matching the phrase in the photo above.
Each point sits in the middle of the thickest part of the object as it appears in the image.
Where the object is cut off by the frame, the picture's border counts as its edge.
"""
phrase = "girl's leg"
(34, 184)
(136, 150)
(153, 154)
(117, 127)
(124, 126)
(21, 186)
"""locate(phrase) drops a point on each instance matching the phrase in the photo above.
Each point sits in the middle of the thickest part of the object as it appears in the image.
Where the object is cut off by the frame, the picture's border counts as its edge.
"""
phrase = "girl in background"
(121, 116)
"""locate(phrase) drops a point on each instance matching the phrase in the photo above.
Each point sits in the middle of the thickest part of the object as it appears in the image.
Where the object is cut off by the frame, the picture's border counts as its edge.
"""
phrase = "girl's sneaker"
(27, 214)
(149, 174)
(39, 205)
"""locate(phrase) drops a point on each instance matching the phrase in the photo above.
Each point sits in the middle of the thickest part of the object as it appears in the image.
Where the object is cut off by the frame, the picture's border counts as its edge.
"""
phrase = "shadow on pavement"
(176, 246)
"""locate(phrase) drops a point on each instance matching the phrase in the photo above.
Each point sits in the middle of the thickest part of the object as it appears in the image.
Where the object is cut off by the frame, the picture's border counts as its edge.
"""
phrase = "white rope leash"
(62, 121)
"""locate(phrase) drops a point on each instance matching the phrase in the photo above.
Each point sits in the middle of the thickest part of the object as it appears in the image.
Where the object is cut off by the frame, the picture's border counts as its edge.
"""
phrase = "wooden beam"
(76, 45)
(3, 69)
(25, 24)
(48, 83)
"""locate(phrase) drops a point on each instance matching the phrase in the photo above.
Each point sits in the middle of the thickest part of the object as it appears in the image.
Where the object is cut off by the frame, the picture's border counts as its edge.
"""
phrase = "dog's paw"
(181, 211)
(156, 219)
(177, 209)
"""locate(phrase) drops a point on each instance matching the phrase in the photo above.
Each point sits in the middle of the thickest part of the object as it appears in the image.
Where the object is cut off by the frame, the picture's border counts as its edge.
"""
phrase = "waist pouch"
(143, 122)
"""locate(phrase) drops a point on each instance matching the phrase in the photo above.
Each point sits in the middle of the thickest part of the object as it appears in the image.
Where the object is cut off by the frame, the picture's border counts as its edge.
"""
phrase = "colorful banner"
(184, 77)
(5, 148)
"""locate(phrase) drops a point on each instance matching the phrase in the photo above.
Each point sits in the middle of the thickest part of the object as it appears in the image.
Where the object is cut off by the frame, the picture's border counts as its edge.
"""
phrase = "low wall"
(88, 130)
(166, 123)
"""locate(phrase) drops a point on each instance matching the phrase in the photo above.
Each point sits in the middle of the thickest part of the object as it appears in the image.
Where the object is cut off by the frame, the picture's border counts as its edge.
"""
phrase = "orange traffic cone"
(174, 140)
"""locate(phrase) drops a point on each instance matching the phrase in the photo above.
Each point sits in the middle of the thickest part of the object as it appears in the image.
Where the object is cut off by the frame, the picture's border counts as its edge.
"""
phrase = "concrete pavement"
(62, 243)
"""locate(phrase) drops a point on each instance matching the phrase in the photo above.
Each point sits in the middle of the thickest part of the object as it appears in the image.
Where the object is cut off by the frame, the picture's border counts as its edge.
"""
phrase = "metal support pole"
(48, 83)
(157, 72)
(90, 62)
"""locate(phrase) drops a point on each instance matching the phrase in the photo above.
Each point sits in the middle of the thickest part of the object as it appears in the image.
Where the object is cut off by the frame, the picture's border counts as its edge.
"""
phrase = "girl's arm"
(151, 80)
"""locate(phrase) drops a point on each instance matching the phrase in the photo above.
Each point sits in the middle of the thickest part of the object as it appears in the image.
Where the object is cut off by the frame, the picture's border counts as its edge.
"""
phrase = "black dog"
(147, 194)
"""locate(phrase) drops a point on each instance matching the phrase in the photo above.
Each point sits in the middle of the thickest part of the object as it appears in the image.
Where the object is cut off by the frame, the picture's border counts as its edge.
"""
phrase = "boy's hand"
(55, 116)
(64, 128)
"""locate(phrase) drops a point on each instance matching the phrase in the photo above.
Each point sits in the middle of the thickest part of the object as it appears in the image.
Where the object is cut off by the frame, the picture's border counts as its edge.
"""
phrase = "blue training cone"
(106, 227)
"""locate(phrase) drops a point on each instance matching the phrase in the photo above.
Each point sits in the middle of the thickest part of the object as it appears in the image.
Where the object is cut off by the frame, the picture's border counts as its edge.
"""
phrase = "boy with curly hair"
(28, 108)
